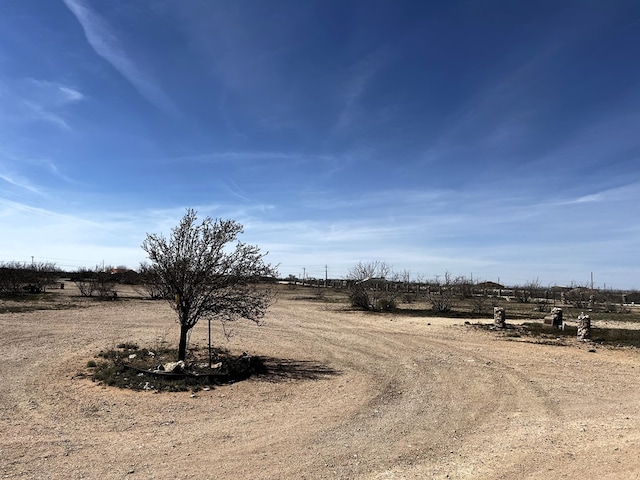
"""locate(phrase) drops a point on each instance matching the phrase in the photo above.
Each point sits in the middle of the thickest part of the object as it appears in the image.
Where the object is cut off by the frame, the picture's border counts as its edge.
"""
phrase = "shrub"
(359, 297)
(441, 294)
(385, 304)
(36, 277)
(369, 288)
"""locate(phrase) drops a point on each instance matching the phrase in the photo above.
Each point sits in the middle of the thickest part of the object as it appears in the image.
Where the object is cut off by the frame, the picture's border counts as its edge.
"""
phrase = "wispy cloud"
(53, 168)
(626, 194)
(53, 94)
(233, 188)
(283, 159)
(359, 77)
(105, 42)
(86, 237)
(79, 240)
(425, 200)
(70, 94)
(19, 182)
(32, 100)
(240, 155)
(8, 207)
(38, 112)
(18, 169)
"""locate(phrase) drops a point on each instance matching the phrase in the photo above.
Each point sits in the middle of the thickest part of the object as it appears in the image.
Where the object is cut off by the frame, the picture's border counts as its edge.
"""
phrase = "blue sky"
(487, 138)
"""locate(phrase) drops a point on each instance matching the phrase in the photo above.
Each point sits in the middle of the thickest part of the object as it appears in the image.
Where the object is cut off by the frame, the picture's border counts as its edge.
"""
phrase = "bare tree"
(531, 290)
(369, 289)
(105, 282)
(99, 281)
(84, 278)
(441, 293)
(151, 282)
(373, 269)
(12, 277)
(204, 277)
(479, 303)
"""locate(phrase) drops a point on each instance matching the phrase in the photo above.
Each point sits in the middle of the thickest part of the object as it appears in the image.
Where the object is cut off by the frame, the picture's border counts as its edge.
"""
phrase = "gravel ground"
(357, 396)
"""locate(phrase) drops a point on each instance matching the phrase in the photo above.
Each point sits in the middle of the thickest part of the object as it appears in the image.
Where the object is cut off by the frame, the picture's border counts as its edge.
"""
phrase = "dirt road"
(356, 396)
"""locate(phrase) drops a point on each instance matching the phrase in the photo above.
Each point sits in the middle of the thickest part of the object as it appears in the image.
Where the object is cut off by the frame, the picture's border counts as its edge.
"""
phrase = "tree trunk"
(182, 347)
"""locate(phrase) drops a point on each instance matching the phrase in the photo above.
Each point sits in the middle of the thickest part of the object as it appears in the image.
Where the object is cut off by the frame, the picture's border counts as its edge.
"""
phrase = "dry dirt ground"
(359, 396)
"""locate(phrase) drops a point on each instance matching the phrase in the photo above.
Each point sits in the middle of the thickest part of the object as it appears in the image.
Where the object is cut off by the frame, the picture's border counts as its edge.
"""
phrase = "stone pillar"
(499, 317)
(584, 326)
(556, 314)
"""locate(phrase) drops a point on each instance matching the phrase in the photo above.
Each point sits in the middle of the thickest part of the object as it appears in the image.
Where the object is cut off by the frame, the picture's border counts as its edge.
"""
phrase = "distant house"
(115, 271)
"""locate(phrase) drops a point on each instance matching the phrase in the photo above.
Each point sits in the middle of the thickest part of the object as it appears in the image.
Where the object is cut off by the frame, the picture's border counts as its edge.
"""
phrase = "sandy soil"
(358, 397)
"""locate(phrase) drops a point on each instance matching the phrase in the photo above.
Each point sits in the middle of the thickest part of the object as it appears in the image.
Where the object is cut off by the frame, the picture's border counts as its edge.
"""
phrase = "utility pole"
(325, 275)
(304, 275)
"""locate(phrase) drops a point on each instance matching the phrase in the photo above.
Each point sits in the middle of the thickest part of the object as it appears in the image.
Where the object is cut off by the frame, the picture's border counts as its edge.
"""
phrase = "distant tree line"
(375, 286)
(22, 277)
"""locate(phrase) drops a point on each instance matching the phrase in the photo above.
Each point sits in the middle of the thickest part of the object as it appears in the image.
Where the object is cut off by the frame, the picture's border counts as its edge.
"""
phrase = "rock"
(556, 314)
(174, 367)
(555, 319)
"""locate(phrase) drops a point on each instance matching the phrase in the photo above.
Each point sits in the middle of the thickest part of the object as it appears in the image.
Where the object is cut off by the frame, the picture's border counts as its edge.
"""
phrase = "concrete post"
(584, 326)
(499, 317)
